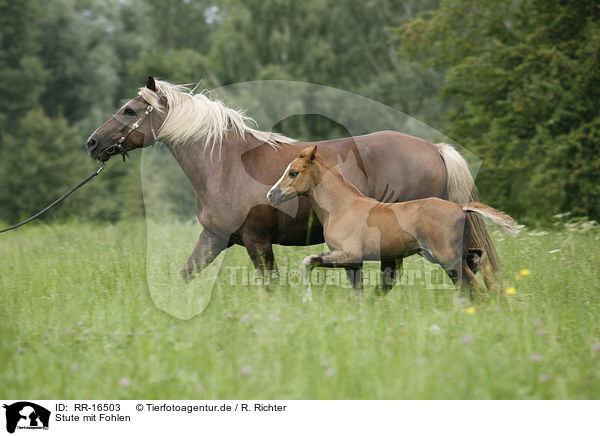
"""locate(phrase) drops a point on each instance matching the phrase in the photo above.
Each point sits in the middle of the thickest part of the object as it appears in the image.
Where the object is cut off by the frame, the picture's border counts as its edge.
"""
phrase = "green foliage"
(180, 24)
(341, 44)
(520, 80)
(175, 66)
(524, 80)
(82, 72)
(38, 165)
(63, 69)
(84, 46)
(21, 71)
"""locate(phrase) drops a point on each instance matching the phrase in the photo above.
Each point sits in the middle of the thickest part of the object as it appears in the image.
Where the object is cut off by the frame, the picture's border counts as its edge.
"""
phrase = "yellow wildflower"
(525, 272)
(518, 277)
(470, 310)
(511, 290)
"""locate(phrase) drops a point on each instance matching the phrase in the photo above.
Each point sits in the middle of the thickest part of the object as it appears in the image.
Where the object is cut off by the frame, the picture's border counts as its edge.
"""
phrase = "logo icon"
(26, 415)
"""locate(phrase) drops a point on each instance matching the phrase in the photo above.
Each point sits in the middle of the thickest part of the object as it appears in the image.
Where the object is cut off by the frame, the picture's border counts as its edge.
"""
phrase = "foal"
(358, 228)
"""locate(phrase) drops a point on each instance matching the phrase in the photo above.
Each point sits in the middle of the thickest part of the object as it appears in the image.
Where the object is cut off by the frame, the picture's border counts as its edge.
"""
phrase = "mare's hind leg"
(388, 274)
(492, 278)
(475, 262)
(474, 258)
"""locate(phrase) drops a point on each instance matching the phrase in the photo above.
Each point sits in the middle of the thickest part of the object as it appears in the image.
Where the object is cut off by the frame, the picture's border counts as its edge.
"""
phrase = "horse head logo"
(26, 415)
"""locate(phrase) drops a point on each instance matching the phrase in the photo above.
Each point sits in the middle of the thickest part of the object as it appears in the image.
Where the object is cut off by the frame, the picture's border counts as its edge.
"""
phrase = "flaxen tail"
(502, 220)
(461, 189)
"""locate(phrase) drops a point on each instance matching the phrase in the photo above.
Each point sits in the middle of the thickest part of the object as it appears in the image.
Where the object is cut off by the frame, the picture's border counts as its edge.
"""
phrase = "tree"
(38, 165)
(341, 44)
(85, 46)
(524, 81)
(23, 75)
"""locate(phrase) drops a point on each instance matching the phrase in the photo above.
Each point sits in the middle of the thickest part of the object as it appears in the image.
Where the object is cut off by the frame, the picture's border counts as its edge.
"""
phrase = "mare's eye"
(293, 174)
(129, 111)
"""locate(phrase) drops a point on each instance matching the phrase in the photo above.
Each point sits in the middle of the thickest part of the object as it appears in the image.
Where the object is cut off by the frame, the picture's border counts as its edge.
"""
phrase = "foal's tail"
(461, 189)
(505, 222)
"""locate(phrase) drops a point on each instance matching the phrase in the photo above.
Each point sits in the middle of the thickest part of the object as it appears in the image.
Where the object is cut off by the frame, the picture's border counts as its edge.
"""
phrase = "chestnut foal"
(358, 228)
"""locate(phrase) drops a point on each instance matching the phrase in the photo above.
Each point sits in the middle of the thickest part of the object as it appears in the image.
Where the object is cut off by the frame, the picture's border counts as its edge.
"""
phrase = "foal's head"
(298, 177)
(135, 125)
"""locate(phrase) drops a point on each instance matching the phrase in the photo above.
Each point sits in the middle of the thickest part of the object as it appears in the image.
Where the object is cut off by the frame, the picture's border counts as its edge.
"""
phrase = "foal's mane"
(193, 117)
(334, 170)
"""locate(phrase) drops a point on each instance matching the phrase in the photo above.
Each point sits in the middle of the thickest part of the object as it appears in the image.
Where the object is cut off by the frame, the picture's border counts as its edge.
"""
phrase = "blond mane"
(193, 117)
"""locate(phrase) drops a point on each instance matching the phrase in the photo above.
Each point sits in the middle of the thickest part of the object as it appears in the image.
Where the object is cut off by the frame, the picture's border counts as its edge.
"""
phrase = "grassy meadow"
(78, 319)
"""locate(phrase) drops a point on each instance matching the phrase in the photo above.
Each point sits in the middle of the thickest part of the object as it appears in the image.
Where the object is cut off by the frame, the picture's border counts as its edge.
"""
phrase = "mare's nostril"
(92, 143)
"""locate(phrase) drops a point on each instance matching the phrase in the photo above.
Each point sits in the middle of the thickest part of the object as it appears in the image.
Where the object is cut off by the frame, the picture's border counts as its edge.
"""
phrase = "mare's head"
(298, 178)
(133, 126)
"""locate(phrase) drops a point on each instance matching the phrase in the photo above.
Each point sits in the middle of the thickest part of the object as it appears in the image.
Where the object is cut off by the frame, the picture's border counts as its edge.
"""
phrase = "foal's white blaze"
(280, 179)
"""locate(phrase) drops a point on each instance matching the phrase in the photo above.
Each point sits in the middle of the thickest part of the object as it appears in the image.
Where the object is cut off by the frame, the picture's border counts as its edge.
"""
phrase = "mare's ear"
(151, 84)
(313, 153)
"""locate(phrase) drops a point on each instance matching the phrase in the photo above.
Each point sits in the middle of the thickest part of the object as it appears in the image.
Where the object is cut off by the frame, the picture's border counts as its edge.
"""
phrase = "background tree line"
(517, 82)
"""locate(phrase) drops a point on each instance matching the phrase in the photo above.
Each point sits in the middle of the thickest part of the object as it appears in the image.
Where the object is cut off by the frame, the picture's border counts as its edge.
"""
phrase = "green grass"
(255, 343)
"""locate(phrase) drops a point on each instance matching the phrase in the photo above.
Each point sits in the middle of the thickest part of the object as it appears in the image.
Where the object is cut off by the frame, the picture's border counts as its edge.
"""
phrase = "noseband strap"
(117, 147)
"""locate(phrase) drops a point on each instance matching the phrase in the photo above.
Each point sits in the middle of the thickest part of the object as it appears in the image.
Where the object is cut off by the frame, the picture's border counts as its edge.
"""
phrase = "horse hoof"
(307, 297)
(186, 273)
(380, 291)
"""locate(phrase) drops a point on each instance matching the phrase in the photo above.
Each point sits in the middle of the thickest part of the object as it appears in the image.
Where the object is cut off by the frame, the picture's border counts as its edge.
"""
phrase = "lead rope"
(58, 200)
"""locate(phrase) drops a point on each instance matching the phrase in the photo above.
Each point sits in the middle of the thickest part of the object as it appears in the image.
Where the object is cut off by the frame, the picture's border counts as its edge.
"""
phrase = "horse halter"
(117, 147)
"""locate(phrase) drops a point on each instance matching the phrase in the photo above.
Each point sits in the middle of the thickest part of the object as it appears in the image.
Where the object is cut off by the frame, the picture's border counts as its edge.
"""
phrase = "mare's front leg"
(208, 247)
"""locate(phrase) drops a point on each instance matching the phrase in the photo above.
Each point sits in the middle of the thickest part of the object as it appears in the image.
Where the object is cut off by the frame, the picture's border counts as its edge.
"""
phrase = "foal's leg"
(306, 267)
(470, 280)
(455, 273)
(461, 275)
(208, 247)
(328, 260)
